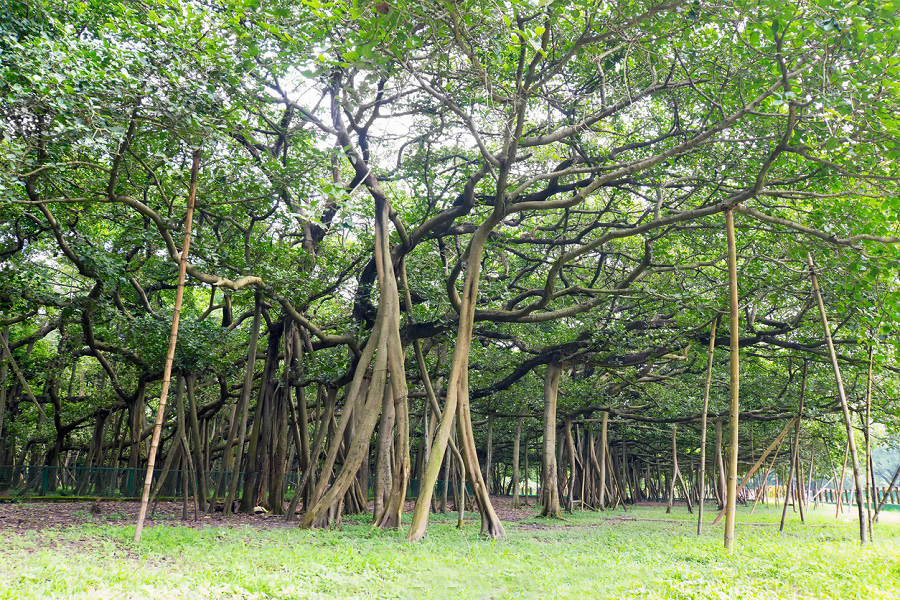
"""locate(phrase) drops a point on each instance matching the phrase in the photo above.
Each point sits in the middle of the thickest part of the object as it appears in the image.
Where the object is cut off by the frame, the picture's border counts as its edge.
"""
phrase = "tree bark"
(549, 486)
(489, 452)
(233, 460)
(383, 445)
(515, 460)
(458, 370)
(604, 445)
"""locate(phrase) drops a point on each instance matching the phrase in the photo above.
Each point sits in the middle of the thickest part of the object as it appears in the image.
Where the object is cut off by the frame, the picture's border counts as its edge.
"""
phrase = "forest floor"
(66, 551)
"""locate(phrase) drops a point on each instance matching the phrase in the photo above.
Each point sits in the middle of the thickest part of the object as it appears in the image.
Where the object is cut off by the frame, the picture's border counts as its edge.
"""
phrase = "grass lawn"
(639, 554)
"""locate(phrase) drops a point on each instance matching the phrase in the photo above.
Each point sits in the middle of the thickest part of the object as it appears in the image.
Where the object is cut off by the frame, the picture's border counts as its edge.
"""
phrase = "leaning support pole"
(758, 463)
(21, 377)
(887, 491)
(702, 476)
(870, 467)
(731, 491)
(170, 356)
(795, 456)
(838, 508)
(848, 424)
(765, 478)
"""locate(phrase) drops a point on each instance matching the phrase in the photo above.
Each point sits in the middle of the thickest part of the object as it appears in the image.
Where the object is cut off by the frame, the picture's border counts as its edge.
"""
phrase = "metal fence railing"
(40, 480)
(108, 482)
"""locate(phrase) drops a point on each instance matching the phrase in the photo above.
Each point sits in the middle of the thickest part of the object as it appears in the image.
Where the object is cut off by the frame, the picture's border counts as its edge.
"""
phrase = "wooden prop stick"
(758, 463)
(170, 356)
(795, 458)
(731, 492)
(887, 491)
(840, 501)
(765, 478)
(702, 475)
(848, 423)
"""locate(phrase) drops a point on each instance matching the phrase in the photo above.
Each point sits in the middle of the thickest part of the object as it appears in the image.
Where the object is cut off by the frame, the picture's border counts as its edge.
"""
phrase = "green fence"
(44, 481)
(39, 480)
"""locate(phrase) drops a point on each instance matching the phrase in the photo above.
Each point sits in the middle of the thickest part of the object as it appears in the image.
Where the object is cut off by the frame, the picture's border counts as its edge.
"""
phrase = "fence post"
(45, 480)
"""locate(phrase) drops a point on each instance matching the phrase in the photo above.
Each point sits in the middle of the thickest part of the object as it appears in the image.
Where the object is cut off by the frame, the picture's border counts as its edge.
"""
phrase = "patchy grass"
(639, 554)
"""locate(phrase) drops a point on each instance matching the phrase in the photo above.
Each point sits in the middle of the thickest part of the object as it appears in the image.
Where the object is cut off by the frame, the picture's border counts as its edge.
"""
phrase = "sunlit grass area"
(641, 553)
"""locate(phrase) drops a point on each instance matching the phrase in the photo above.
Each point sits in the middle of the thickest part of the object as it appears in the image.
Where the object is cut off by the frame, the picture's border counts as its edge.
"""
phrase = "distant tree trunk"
(515, 460)
(766, 478)
(720, 467)
(239, 429)
(526, 489)
(570, 447)
(839, 505)
(671, 495)
(887, 492)
(549, 486)
(489, 453)
(200, 474)
(4, 337)
(604, 445)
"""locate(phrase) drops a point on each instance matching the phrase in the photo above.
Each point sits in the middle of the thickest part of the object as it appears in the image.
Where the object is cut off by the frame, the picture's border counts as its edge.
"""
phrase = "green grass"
(588, 554)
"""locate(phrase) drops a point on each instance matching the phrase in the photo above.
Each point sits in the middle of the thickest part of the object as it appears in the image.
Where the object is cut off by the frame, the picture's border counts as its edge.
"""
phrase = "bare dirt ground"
(35, 516)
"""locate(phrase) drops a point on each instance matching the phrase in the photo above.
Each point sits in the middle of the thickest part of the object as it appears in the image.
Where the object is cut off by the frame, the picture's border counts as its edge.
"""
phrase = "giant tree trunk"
(400, 468)
(490, 522)
(385, 346)
(262, 471)
(454, 403)
(136, 426)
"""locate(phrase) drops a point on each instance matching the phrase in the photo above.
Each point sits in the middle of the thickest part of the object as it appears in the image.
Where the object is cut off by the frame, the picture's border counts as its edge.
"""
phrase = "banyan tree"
(584, 253)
